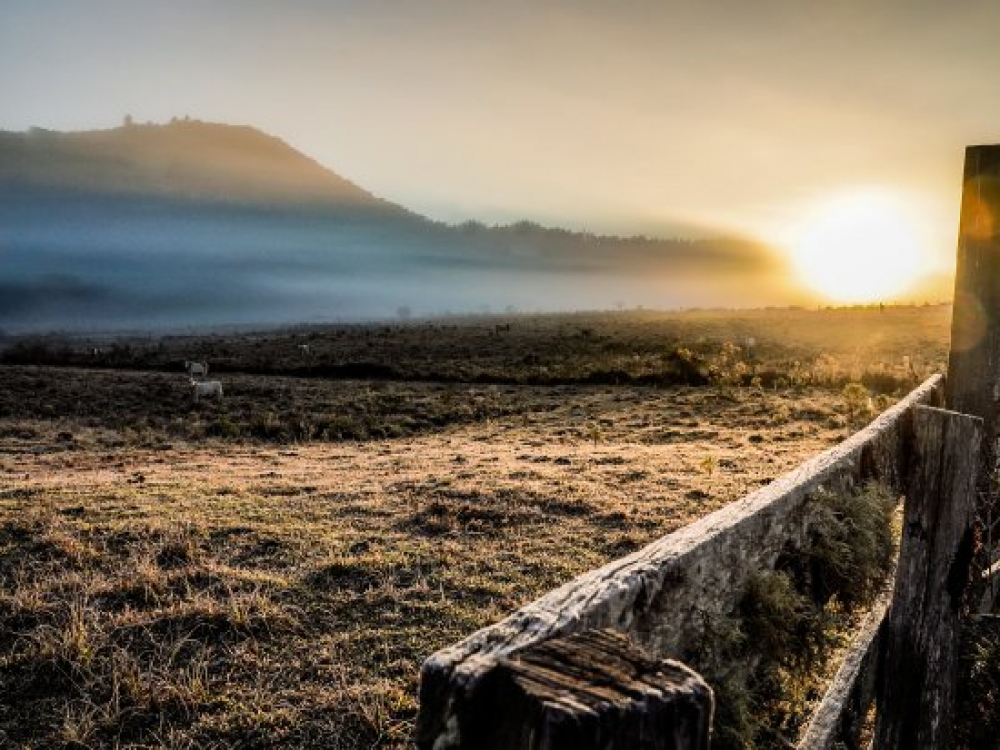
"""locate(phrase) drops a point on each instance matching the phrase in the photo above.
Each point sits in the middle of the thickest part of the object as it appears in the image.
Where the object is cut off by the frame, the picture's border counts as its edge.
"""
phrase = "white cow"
(196, 368)
(206, 388)
(304, 348)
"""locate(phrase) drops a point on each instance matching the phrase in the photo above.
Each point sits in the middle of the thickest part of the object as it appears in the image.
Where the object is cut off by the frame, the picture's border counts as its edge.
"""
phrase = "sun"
(862, 246)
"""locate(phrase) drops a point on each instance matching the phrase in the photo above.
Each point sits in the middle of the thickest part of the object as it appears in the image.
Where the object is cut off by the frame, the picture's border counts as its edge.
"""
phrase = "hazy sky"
(608, 115)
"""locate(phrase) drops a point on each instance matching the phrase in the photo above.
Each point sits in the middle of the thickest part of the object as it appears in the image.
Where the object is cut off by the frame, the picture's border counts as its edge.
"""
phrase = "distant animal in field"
(206, 388)
(196, 368)
(503, 328)
(304, 348)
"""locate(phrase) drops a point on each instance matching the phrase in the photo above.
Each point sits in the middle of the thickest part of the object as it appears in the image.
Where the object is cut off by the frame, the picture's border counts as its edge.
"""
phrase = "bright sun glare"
(859, 247)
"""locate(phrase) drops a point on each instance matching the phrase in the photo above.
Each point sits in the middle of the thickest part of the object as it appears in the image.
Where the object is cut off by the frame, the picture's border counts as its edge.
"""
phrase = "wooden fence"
(592, 664)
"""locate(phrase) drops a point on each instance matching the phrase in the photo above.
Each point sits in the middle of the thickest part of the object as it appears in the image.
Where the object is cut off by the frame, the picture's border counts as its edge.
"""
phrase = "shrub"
(977, 722)
(761, 660)
(857, 400)
(853, 546)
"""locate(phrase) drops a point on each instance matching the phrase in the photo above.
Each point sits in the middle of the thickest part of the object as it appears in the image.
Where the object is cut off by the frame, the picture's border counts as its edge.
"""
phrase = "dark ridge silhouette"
(192, 223)
(185, 159)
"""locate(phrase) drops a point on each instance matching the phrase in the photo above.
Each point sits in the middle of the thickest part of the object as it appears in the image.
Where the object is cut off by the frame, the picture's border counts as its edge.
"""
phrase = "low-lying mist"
(90, 265)
(198, 224)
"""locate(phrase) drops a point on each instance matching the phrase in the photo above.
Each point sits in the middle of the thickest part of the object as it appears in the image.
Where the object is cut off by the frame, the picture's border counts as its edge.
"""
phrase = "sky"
(634, 117)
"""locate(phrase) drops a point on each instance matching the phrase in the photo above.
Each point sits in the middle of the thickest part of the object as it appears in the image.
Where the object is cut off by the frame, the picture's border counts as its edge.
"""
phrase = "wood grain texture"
(590, 691)
(916, 705)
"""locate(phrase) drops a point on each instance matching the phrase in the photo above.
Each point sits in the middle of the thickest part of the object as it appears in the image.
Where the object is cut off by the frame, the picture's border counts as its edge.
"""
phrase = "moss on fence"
(766, 659)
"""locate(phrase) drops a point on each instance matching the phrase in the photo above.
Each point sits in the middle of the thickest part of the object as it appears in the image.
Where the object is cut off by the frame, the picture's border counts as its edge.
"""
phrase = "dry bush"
(765, 660)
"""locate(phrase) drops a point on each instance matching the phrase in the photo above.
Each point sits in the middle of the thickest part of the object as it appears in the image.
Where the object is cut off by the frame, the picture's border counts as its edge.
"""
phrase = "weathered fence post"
(589, 691)
(973, 385)
(922, 633)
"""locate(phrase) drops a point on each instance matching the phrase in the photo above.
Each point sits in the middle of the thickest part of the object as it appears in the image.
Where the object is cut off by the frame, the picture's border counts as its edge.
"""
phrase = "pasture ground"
(271, 571)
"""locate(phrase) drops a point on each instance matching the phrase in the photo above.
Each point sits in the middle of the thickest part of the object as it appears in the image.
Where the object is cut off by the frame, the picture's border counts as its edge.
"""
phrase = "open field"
(637, 347)
(272, 569)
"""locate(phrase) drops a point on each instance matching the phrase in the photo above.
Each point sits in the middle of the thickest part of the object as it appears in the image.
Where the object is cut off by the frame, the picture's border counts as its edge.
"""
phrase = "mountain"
(193, 223)
(184, 160)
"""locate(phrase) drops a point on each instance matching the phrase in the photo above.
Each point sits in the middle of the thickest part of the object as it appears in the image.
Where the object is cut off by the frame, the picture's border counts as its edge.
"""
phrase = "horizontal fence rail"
(660, 595)
(843, 710)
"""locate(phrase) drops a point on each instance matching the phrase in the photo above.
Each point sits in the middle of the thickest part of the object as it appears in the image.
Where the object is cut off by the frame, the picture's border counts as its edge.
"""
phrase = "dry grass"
(829, 346)
(169, 591)
(271, 570)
